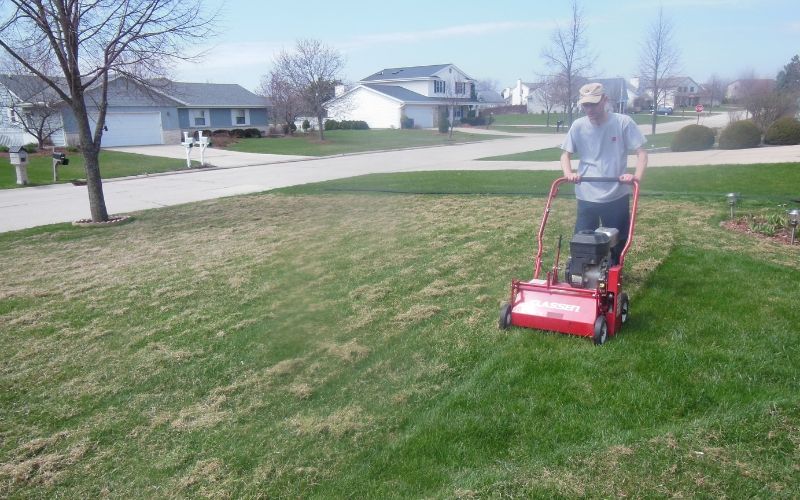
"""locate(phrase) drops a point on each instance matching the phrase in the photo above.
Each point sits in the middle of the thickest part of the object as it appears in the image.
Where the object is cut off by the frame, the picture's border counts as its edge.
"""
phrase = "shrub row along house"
(416, 96)
(137, 114)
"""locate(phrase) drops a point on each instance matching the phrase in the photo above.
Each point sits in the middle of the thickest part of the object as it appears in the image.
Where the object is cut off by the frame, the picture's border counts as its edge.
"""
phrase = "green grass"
(351, 141)
(533, 129)
(112, 164)
(554, 154)
(541, 119)
(326, 344)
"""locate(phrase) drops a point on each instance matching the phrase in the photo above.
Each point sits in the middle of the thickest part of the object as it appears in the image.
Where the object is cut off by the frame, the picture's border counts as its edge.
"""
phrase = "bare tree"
(33, 107)
(549, 92)
(282, 94)
(487, 84)
(658, 61)
(313, 69)
(91, 42)
(715, 88)
(568, 54)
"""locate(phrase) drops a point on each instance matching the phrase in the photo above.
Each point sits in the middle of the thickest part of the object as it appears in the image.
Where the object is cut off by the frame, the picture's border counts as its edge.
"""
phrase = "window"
(439, 87)
(12, 115)
(199, 118)
(460, 88)
(240, 117)
(691, 89)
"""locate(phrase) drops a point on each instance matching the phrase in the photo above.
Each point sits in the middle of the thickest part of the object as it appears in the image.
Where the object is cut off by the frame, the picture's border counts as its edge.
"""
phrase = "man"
(603, 139)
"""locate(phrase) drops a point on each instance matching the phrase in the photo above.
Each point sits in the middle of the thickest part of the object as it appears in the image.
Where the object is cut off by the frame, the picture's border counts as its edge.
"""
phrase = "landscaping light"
(794, 218)
(732, 199)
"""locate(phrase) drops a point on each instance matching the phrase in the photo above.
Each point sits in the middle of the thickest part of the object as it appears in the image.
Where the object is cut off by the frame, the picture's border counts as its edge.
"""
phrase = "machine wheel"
(505, 316)
(600, 331)
(624, 307)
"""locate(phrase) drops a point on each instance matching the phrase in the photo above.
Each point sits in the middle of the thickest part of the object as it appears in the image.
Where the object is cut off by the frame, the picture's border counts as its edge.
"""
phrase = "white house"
(676, 92)
(418, 93)
(519, 94)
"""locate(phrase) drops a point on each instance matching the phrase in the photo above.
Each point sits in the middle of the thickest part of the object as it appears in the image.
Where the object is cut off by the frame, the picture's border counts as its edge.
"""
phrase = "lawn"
(112, 164)
(541, 119)
(351, 141)
(339, 340)
(554, 154)
(116, 164)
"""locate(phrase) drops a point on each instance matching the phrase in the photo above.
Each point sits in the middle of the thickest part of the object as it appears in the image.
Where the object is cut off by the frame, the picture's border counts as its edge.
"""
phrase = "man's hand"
(572, 177)
(626, 178)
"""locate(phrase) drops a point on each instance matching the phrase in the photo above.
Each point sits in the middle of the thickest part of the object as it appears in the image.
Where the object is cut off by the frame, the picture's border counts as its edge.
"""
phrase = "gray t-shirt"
(603, 151)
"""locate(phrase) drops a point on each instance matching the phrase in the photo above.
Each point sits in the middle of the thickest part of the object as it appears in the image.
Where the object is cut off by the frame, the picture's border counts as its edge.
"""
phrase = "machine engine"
(590, 256)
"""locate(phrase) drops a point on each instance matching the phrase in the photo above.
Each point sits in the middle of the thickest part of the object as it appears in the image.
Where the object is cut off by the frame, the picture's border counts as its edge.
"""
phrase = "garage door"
(132, 129)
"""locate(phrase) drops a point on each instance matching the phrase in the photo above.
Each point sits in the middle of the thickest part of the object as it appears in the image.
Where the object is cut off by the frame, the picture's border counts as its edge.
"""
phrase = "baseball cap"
(590, 93)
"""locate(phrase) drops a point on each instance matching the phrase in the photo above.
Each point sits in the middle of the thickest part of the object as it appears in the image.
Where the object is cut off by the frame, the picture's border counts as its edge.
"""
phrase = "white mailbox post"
(18, 157)
(188, 143)
(203, 143)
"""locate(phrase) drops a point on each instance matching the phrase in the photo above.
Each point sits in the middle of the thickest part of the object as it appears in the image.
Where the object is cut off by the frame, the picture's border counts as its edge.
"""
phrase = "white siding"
(362, 104)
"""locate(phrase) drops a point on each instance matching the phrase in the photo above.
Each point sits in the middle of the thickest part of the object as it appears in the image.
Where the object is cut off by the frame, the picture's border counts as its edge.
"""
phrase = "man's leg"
(588, 217)
(617, 214)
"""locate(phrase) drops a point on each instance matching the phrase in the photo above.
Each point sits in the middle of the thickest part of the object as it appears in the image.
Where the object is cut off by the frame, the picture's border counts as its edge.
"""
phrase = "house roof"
(209, 94)
(400, 93)
(490, 96)
(406, 73)
(30, 88)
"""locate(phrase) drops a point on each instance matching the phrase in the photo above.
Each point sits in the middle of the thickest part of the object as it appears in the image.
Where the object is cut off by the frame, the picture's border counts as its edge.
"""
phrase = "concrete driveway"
(35, 206)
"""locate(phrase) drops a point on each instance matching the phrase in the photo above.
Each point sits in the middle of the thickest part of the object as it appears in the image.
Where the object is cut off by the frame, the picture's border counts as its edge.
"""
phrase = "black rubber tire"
(505, 316)
(600, 331)
(624, 307)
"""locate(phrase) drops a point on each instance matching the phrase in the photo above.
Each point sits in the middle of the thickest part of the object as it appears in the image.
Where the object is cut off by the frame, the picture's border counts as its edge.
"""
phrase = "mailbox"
(17, 155)
(61, 158)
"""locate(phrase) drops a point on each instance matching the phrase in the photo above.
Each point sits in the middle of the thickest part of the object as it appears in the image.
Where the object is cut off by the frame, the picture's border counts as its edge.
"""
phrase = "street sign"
(699, 108)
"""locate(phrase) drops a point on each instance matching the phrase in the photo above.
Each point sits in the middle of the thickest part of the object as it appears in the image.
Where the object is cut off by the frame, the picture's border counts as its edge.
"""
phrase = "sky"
(500, 41)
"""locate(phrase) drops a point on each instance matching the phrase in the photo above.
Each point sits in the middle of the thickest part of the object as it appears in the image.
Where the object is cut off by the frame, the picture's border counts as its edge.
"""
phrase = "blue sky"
(500, 41)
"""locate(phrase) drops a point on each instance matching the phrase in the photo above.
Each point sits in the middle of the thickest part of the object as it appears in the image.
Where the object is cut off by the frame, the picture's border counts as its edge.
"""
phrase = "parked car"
(662, 110)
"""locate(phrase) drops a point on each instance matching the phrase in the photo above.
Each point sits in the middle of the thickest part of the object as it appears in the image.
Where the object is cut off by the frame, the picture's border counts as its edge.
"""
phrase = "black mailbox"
(61, 158)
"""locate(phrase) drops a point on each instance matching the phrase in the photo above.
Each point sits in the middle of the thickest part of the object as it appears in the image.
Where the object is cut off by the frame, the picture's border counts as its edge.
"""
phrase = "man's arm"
(641, 165)
(566, 166)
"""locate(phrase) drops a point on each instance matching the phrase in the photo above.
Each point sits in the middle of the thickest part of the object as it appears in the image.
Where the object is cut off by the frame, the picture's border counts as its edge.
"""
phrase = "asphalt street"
(241, 173)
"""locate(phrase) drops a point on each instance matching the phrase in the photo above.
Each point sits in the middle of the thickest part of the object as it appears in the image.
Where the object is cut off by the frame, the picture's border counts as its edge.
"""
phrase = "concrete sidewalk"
(35, 206)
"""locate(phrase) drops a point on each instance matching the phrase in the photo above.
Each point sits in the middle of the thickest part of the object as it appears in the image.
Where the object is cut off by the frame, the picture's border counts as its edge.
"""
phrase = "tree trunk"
(321, 128)
(94, 184)
(91, 159)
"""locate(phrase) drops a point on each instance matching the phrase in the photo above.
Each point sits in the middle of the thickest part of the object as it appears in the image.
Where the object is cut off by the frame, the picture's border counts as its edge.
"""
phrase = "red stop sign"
(699, 108)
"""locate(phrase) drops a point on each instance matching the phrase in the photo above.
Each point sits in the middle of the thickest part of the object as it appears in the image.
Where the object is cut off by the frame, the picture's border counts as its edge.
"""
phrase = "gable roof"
(30, 88)
(209, 94)
(409, 73)
(406, 73)
(400, 93)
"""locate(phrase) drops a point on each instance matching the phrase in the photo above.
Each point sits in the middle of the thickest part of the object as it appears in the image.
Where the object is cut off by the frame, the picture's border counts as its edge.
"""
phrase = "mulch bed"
(783, 236)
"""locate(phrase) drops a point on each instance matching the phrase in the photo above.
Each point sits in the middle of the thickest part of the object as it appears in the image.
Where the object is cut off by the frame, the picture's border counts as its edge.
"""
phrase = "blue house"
(159, 112)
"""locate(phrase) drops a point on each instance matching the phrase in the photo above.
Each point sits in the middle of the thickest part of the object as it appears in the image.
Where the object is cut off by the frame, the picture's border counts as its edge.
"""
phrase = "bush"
(306, 125)
(783, 131)
(32, 147)
(693, 138)
(73, 149)
(237, 133)
(331, 125)
(252, 132)
(3, 149)
(740, 135)
(220, 132)
(475, 121)
(406, 122)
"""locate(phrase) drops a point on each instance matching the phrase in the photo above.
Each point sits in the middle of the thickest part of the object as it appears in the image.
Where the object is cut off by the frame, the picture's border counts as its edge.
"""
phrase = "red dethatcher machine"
(590, 301)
